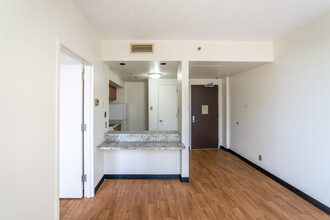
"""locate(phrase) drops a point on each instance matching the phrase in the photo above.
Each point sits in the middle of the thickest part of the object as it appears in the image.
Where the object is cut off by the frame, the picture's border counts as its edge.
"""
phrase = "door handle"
(161, 121)
(193, 119)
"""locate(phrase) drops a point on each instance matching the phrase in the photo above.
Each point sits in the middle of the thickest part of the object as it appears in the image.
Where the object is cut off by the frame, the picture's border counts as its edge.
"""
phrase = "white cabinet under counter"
(142, 152)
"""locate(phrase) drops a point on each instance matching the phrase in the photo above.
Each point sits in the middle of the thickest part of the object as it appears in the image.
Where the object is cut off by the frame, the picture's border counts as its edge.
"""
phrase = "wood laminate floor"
(221, 187)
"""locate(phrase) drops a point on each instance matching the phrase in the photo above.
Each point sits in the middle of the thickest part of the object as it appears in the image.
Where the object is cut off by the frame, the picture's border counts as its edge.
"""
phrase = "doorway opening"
(148, 100)
(210, 111)
(75, 126)
(212, 73)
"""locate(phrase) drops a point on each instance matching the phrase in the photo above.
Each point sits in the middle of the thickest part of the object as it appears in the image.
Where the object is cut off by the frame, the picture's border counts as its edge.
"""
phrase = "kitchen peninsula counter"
(142, 140)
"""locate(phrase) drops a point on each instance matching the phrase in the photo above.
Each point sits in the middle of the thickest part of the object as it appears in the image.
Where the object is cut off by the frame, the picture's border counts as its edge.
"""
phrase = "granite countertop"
(141, 145)
(142, 140)
(143, 132)
(144, 136)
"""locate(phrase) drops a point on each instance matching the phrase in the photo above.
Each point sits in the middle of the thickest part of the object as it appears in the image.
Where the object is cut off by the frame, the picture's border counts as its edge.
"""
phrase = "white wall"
(221, 119)
(142, 162)
(184, 85)
(136, 96)
(101, 92)
(179, 83)
(183, 105)
(118, 50)
(227, 112)
(116, 79)
(29, 68)
(288, 120)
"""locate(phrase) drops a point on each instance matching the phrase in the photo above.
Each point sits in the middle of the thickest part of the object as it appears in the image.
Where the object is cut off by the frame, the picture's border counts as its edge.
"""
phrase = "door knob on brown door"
(194, 120)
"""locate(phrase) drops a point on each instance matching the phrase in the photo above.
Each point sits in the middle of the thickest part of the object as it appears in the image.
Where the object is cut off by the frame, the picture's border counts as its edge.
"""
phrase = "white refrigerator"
(119, 112)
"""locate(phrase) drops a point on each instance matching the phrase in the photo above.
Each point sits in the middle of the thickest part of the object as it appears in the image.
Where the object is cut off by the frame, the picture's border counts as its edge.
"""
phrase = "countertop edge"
(138, 148)
(141, 146)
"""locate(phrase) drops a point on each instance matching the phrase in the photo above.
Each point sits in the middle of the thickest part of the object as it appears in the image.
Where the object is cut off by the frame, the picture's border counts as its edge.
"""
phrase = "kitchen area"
(118, 118)
(145, 101)
(118, 112)
(128, 110)
(143, 138)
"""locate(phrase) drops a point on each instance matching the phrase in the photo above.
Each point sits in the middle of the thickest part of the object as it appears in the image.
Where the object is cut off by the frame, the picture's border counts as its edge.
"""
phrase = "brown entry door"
(204, 121)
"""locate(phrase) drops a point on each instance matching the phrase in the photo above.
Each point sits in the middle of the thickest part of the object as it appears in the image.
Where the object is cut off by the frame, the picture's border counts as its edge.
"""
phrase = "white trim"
(57, 131)
(72, 54)
(91, 131)
(88, 136)
(227, 112)
(217, 82)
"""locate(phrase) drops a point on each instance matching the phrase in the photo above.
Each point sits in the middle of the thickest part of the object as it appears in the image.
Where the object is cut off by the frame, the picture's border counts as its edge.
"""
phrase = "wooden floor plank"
(221, 187)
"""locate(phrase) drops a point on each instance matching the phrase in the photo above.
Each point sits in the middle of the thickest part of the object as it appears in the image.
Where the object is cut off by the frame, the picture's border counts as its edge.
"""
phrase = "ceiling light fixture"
(155, 75)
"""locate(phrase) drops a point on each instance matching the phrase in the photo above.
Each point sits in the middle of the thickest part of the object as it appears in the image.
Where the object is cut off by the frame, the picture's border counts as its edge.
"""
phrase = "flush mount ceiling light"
(155, 75)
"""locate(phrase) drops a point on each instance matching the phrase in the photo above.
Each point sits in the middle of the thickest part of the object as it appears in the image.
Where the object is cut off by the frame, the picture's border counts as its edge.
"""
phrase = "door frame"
(88, 161)
(221, 124)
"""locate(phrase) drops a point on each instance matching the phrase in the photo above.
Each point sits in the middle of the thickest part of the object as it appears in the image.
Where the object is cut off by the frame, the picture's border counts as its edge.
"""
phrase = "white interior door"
(71, 136)
(168, 107)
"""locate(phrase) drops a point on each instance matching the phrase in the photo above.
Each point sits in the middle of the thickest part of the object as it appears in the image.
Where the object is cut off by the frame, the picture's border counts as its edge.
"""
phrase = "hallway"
(221, 187)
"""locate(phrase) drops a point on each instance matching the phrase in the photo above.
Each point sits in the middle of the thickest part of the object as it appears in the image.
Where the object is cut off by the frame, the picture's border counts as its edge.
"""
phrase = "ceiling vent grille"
(142, 48)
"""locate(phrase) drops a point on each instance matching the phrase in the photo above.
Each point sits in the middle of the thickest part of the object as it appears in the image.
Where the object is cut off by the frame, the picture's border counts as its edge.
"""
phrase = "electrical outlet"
(260, 157)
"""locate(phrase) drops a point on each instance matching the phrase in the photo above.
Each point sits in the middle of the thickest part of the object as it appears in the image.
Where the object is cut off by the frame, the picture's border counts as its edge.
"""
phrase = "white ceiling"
(199, 19)
(212, 70)
(135, 71)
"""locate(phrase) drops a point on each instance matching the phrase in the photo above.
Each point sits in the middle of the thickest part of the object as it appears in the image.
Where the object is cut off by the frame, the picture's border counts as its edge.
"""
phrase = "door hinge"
(84, 178)
(83, 127)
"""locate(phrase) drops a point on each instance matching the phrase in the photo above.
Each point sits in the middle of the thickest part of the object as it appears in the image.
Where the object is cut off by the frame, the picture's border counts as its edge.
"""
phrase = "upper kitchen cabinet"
(112, 93)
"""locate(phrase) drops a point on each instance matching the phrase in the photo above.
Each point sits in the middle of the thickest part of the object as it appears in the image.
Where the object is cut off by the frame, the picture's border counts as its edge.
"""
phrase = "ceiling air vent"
(142, 48)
